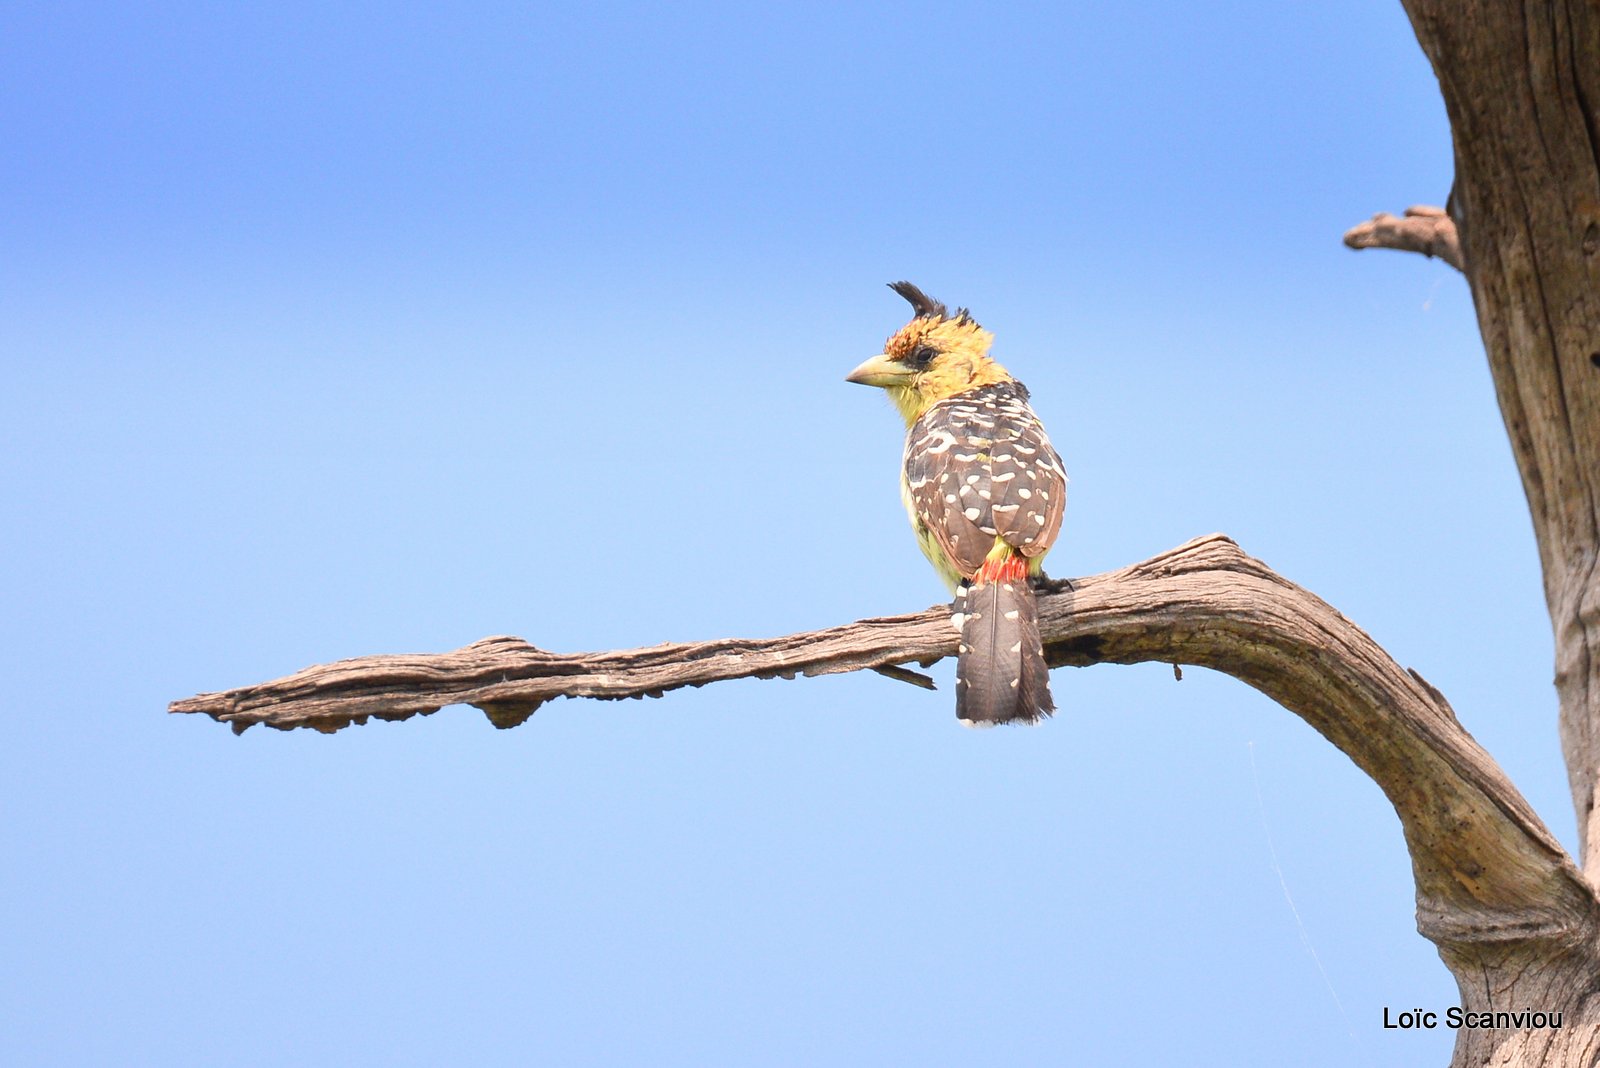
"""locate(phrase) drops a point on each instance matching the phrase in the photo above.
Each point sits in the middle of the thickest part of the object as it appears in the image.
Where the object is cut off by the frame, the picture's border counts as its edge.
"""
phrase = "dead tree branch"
(1487, 869)
(1423, 229)
(1520, 84)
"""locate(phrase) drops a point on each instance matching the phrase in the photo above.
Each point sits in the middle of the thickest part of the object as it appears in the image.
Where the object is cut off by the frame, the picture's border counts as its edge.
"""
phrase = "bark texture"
(1521, 83)
(1488, 871)
(1495, 890)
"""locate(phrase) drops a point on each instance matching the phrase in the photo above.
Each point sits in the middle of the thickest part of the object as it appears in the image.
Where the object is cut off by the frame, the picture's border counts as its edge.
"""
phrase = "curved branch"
(1487, 870)
(1429, 231)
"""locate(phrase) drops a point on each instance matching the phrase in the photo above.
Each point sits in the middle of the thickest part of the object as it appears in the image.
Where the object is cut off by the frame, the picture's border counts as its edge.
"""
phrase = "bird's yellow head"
(934, 356)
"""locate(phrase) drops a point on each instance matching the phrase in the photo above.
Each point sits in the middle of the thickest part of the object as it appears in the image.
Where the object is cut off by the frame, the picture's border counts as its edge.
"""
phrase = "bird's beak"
(881, 371)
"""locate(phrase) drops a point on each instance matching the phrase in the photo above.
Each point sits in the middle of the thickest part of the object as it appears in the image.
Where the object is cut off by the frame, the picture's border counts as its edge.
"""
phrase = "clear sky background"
(330, 330)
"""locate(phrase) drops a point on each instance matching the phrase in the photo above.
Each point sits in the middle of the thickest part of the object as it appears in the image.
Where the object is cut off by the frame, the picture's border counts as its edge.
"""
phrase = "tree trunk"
(1521, 84)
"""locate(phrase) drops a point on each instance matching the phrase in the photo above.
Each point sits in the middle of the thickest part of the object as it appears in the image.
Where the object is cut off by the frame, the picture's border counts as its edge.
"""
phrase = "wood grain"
(1486, 867)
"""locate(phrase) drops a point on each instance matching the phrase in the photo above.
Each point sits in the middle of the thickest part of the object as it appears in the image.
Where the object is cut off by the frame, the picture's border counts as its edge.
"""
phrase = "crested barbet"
(985, 492)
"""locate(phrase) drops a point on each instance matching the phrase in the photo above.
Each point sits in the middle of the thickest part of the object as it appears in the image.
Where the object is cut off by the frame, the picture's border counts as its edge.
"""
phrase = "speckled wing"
(1028, 482)
(977, 465)
(942, 492)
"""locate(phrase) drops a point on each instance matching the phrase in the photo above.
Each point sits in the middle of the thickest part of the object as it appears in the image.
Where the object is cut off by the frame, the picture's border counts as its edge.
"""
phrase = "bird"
(985, 491)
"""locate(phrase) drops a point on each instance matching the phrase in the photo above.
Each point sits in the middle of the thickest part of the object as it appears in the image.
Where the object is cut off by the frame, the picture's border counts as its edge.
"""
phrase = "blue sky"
(375, 328)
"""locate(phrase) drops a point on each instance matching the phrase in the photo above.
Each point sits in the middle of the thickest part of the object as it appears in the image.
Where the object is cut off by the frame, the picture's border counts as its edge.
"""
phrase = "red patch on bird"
(1009, 568)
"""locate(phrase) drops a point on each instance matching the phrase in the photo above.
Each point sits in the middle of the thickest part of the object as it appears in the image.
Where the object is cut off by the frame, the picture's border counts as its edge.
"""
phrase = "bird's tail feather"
(1001, 674)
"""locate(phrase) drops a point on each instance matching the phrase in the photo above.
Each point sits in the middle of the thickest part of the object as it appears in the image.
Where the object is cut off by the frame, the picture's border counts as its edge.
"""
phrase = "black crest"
(925, 306)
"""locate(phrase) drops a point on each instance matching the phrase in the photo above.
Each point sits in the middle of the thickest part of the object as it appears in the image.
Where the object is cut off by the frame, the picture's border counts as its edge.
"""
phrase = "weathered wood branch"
(1521, 84)
(1423, 229)
(1487, 870)
(509, 679)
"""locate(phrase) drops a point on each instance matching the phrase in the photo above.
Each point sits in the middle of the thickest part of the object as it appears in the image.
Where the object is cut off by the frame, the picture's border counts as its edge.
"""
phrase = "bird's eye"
(921, 356)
